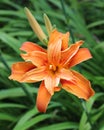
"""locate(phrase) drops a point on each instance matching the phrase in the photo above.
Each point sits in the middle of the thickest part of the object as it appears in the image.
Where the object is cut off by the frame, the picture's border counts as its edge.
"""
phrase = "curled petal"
(83, 54)
(51, 81)
(43, 98)
(30, 46)
(37, 74)
(68, 53)
(38, 58)
(19, 69)
(80, 88)
(54, 52)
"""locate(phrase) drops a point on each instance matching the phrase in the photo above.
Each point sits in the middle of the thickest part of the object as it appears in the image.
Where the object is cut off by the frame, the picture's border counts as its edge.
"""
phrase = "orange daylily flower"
(53, 66)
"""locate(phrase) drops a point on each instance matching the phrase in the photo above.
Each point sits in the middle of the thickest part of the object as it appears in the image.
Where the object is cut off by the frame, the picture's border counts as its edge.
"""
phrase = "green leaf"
(91, 101)
(34, 121)
(7, 117)
(15, 92)
(83, 121)
(97, 113)
(11, 105)
(25, 118)
(61, 126)
(10, 41)
(97, 23)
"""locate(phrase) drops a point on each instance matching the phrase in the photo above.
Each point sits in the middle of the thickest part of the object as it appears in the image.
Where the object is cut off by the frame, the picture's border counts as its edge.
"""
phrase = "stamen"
(53, 67)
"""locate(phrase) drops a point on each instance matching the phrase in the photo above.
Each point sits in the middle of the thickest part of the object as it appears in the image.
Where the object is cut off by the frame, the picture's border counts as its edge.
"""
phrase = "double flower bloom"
(53, 66)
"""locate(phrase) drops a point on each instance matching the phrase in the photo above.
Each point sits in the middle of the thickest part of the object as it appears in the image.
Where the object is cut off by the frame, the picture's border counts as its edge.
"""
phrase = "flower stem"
(66, 20)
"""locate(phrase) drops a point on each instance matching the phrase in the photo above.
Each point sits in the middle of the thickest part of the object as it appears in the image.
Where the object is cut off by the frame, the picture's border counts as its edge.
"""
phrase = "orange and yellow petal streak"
(67, 54)
(54, 52)
(38, 58)
(83, 54)
(37, 74)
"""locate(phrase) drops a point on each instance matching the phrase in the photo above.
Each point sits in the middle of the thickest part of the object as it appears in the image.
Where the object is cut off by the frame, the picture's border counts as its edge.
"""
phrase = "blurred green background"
(85, 19)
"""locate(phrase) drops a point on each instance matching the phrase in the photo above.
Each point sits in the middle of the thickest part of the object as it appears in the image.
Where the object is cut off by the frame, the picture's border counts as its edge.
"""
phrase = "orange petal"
(80, 88)
(54, 52)
(36, 74)
(43, 98)
(51, 81)
(65, 40)
(30, 46)
(68, 53)
(19, 69)
(57, 89)
(55, 36)
(83, 54)
(38, 58)
(65, 74)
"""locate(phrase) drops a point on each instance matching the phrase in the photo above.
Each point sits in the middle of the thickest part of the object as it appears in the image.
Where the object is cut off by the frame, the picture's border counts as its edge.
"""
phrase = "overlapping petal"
(30, 46)
(68, 53)
(37, 74)
(19, 69)
(51, 81)
(54, 52)
(43, 98)
(38, 58)
(81, 87)
(83, 54)
(55, 36)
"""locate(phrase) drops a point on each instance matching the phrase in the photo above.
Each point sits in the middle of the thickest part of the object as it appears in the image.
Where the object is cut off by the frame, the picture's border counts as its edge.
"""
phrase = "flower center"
(53, 68)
